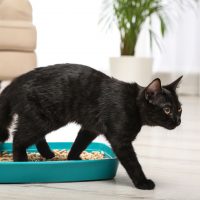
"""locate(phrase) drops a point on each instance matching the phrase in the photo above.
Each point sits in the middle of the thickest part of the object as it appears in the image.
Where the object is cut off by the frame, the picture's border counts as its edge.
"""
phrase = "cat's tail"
(5, 118)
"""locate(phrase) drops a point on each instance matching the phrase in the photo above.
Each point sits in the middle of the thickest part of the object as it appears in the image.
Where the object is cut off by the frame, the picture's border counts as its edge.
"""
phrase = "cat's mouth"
(171, 126)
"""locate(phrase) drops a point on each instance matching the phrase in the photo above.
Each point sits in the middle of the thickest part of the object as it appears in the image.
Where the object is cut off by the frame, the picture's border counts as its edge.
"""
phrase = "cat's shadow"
(122, 180)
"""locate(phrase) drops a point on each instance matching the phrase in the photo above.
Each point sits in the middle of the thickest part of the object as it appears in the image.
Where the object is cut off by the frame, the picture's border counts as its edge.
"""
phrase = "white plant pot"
(132, 69)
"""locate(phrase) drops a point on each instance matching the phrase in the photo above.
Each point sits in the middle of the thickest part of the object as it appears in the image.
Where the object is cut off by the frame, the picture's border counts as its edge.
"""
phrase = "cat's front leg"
(126, 155)
(83, 139)
(44, 149)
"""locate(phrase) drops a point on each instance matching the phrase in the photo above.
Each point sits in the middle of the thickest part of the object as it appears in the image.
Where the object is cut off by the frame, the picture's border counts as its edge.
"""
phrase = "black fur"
(46, 99)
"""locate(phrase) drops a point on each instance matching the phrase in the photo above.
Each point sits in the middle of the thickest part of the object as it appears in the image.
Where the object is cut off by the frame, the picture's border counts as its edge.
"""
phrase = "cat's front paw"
(71, 157)
(147, 184)
(49, 155)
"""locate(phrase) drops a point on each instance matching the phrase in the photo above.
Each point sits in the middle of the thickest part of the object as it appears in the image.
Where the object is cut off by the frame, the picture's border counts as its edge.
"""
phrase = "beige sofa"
(17, 38)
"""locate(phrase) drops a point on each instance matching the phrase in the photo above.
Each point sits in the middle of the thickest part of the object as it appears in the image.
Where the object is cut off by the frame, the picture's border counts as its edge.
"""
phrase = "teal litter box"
(59, 171)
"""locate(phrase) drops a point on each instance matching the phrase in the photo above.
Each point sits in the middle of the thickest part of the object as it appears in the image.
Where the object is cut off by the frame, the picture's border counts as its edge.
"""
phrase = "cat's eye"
(179, 109)
(167, 110)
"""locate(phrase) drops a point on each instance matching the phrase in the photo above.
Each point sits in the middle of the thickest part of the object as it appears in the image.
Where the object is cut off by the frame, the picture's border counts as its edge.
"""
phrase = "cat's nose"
(178, 120)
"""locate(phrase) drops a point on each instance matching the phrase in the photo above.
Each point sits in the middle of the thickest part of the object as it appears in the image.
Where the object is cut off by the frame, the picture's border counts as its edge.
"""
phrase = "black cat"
(46, 99)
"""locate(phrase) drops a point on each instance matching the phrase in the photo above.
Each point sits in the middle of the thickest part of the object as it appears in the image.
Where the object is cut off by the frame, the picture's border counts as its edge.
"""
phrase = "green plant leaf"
(155, 38)
(150, 34)
(130, 15)
(163, 26)
(107, 15)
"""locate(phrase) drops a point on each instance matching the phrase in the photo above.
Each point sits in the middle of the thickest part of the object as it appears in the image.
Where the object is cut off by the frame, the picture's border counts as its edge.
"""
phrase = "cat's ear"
(174, 84)
(152, 89)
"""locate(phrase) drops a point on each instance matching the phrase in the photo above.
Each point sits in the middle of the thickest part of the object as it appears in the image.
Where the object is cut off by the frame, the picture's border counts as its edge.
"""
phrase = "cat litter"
(60, 155)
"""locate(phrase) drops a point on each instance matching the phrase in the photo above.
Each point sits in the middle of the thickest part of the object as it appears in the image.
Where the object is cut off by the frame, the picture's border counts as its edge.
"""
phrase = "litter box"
(59, 171)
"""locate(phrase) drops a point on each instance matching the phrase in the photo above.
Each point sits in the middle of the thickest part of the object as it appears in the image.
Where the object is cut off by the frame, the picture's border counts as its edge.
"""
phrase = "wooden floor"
(170, 158)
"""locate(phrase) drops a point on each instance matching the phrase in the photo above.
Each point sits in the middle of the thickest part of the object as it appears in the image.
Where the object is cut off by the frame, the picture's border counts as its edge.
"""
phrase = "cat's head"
(161, 106)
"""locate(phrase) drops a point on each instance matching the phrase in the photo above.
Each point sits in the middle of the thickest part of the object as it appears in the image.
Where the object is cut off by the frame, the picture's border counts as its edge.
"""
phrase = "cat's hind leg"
(44, 149)
(29, 131)
(83, 139)
(19, 147)
(19, 151)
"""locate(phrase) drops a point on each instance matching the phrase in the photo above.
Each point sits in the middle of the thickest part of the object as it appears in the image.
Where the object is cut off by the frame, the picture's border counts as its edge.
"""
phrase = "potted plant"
(130, 16)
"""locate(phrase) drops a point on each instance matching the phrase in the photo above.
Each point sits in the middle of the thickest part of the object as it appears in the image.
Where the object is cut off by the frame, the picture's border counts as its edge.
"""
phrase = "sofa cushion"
(15, 63)
(15, 10)
(17, 36)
